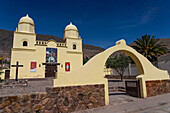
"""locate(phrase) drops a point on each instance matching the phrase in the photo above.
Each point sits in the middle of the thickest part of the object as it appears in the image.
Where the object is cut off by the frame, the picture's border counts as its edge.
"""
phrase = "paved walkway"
(156, 104)
(159, 109)
(118, 98)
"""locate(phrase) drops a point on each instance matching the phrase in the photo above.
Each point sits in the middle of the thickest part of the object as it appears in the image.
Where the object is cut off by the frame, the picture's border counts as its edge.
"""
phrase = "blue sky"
(100, 22)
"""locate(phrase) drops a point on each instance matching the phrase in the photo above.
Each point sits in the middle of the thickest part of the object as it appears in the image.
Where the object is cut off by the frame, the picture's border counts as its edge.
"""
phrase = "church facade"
(41, 59)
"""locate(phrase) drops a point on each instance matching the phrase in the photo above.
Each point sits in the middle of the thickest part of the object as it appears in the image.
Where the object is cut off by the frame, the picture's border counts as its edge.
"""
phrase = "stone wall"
(157, 87)
(56, 100)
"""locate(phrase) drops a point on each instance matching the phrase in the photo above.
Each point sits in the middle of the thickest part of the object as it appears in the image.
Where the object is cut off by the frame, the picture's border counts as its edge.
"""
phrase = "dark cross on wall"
(17, 66)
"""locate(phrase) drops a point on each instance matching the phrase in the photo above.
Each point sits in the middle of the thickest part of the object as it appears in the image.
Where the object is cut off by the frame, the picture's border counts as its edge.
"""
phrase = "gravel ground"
(33, 87)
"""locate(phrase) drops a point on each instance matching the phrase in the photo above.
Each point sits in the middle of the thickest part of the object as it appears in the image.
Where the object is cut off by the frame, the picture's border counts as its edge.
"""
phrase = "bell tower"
(72, 38)
(24, 36)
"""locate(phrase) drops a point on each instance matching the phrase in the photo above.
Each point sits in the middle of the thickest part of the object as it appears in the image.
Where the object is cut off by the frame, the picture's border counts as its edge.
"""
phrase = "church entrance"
(50, 70)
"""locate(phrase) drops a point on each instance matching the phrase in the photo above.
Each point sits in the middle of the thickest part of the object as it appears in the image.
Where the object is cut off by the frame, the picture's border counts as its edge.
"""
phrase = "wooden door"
(50, 70)
(7, 73)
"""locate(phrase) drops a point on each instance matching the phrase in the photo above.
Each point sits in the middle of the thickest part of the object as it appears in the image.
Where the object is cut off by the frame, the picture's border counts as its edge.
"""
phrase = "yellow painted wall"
(2, 76)
(37, 53)
(93, 71)
(25, 57)
(108, 71)
(20, 37)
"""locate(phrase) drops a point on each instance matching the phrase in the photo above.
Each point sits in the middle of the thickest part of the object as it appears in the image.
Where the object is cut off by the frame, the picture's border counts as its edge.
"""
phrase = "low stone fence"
(157, 87)
(56, 99)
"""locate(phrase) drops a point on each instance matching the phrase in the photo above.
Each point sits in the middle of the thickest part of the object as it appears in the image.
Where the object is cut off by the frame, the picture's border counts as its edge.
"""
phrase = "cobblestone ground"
(33, 86)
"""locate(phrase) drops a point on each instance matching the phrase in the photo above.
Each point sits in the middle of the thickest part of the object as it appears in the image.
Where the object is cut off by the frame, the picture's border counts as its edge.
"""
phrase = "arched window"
(74, 46)
(25, 43)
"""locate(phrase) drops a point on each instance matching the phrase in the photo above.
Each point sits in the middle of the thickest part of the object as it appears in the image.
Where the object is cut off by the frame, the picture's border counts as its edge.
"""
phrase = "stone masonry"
(55, 100)
(157, 87)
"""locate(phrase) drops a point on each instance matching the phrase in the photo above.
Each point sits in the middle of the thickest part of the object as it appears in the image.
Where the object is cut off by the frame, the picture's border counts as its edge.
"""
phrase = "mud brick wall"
(157, 87)
(55, 100)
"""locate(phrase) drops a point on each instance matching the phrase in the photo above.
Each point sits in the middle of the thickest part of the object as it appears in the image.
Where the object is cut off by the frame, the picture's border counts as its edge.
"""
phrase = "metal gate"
(133, 88)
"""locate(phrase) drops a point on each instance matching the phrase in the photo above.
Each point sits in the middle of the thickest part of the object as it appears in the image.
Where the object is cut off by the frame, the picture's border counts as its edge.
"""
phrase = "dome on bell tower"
(26, 24)
(71, 27)
(71, 31)
(26, 19)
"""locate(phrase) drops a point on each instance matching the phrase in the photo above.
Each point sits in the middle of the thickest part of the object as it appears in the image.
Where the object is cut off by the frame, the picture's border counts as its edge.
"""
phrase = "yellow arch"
(93, 71)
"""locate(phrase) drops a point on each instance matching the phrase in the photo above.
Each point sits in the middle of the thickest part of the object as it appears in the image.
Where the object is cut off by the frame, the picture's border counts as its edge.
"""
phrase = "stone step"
(115, 89)
(122, 90)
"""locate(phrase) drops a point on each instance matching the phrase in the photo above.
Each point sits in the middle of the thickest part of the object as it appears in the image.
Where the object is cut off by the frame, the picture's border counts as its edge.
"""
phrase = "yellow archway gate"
(93, 71)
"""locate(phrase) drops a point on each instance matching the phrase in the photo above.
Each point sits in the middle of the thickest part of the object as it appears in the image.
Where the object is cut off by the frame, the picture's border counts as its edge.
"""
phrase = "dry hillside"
(6, 39)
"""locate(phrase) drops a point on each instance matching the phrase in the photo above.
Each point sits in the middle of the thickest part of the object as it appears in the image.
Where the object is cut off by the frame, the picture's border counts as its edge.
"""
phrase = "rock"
(60, 101)
(89, 94)
(80, 96)
(86, 100)
(4, 104)
(66, 101)
(27, 109)
(55, 109)
(53, 94)
(102, 92)
(83, 107)
(13, 98)
(8, 110)
(56, 100)
(48, 90)
(75, 101)
(72, 108)
(56, 89)
(50, 104)
(16, 108)
(25, 98)
(2, 111)
(102, 86)
(33, 96)
(1, 100)
(96, 94)
(45, 101)
(64, 109)
(38, 107)
(90, 105)
(68, 88)
(73, 93)
(46, 111)
(37, 101)
(93, 100)
(43, 96)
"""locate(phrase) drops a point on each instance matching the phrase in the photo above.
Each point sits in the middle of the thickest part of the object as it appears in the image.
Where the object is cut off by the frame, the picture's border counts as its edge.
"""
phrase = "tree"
(85, 60)
(150, 47)
(1, 58)
(119, 63)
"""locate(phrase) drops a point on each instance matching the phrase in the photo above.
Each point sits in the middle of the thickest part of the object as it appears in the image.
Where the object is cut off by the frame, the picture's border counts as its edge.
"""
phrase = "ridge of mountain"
(6, 42)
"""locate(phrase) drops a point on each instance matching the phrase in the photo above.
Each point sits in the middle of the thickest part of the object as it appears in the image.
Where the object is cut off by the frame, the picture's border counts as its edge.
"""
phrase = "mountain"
(6, 42)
